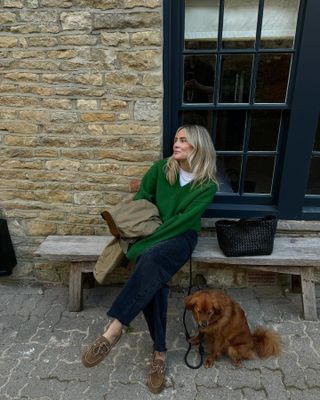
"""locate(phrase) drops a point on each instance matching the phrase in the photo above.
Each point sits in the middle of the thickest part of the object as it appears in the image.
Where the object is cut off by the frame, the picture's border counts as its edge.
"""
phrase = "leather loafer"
(97, 351)
(156, 375)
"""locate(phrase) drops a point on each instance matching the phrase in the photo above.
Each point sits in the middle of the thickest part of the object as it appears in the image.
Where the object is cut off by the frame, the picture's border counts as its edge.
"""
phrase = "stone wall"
(80, 114)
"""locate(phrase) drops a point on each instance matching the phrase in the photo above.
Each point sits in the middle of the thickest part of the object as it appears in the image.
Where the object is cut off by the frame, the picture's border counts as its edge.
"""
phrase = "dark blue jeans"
(147, 289)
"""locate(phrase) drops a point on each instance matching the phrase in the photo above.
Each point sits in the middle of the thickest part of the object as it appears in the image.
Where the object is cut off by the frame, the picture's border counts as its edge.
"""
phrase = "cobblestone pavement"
(40, 343)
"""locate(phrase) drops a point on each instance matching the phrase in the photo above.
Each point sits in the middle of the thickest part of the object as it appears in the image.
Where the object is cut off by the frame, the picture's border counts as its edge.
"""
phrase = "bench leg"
(75, 287)
(308, 294)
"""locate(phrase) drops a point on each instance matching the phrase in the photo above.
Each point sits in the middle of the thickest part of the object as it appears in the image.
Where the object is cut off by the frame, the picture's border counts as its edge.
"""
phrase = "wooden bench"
(291, 255)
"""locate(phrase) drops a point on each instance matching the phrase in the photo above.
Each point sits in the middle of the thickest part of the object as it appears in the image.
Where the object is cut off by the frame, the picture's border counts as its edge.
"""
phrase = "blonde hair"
(202, 159)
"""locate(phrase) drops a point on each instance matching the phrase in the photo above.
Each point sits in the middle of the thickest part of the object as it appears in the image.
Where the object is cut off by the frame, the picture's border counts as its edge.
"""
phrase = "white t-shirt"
(185, 177)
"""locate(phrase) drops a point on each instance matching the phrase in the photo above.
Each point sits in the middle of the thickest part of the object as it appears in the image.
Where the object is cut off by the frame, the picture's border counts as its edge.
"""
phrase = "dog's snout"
(203, 324)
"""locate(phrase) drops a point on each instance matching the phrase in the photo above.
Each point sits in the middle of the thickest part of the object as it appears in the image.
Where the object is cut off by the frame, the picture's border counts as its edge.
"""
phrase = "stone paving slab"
(41, 341)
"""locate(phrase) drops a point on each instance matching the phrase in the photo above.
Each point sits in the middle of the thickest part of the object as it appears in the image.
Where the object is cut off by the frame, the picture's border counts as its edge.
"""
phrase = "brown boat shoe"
(97, 351)
(156, 375)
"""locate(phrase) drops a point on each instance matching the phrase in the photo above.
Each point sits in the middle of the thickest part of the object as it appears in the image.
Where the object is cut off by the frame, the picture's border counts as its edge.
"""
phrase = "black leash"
(200, 349)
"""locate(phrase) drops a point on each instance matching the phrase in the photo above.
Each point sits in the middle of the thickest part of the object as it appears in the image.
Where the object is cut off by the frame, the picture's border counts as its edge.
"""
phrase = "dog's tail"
(267, 342)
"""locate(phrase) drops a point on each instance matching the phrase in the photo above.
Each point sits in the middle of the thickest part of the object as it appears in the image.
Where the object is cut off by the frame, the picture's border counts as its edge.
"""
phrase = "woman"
(181, 187)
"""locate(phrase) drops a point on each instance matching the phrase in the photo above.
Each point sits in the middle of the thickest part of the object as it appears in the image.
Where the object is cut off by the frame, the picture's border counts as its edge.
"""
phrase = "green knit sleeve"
(148, 184)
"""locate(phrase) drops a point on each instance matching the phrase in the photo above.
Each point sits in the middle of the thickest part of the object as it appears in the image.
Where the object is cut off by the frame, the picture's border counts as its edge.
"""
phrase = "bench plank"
(291, 255)
(73, 248)
(287, 251)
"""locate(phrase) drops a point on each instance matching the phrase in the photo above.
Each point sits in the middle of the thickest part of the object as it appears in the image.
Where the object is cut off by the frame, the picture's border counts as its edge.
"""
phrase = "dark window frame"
(291, 201)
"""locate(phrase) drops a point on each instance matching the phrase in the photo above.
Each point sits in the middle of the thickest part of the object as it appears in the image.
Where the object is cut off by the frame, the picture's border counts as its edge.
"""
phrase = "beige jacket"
(134, 220)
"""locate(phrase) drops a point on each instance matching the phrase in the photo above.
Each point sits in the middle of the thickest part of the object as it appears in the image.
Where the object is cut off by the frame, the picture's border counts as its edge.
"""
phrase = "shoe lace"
(100, 348)
(157, 368)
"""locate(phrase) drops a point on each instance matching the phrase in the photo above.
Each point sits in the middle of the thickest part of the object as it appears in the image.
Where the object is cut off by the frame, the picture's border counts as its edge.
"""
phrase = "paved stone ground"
(40, 343)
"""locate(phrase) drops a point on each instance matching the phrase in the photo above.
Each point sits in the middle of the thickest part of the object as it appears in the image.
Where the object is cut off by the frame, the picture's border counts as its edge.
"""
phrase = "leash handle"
(200, 349)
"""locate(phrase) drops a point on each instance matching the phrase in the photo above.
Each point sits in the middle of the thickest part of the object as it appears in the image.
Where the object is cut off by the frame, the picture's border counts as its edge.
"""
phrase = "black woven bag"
(246, 237)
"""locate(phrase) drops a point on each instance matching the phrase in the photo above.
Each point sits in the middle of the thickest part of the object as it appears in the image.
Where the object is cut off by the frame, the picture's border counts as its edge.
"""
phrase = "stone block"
(41, 228)
(126, 155)
(62, 54)
(143, 60)
(7, 17)
(89, 79)
(120, 78)
(151, 79)
(64, 104)
(63, 116)
(45, 41)
(87, 104)
(142, 3)
(98, 117)
(39, 116)
(125, 21)
(56, 78)
(132, 128)
(139, 170)
(96, 167)
(63, 165)
(113, 105)
(13, 3)
(137, 91)
(76, 154)
(77, 40)
(8, 42)
(146, 38)
(22, 76)
(76, 21)
(100, 4)
(89, 198)
(119, 39)
(56, 3)
(147, 111)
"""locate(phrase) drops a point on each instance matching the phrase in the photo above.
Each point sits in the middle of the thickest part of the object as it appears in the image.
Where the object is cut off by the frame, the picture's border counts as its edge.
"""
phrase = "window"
(233, 66)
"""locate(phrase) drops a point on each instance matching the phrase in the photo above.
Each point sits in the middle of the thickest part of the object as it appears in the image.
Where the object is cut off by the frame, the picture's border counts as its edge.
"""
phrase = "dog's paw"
(209, 362)
(236, 363)
(194, 340)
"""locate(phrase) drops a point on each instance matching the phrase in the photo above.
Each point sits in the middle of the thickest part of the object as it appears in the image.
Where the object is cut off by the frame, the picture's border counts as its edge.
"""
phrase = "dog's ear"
(190, 302)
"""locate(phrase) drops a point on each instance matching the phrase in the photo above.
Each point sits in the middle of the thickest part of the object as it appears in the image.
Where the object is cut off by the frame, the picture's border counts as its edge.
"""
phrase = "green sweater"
(180, 207)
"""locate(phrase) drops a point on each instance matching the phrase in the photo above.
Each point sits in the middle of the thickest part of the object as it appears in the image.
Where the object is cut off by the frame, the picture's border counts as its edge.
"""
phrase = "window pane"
(272, 78)
(199, 117)
(198, 79)
(279, 23)
(317, 140)
(314, 177)
(264, 130)
(201, 22)
(259, 174)
(235, 78)
(228, 168)
(239, 23)
(230, 130)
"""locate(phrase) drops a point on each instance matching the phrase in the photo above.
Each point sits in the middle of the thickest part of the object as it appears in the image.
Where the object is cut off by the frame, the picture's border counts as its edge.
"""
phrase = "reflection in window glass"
(198, 79)
(279, 23)
(201, 22)
(199, 117)
(239, 23)
(235, 78)
(314, 176)
(230, 130)
(228, 173)
(272, 78)
(264, 130)
(259, 174)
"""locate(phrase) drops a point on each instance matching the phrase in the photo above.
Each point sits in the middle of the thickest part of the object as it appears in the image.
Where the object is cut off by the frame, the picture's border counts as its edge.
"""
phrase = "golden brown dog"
(223, 324)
